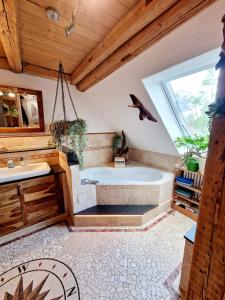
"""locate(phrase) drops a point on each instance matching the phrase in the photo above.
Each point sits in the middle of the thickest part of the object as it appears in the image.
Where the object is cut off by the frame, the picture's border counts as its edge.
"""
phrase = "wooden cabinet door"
(40, 199)
(11, 217)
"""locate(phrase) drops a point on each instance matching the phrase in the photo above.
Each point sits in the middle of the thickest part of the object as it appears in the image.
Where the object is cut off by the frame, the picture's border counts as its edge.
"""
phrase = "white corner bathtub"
(134, 184)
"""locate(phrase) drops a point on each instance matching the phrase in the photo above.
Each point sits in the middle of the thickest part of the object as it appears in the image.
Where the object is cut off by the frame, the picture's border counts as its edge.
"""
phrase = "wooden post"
(207, 275)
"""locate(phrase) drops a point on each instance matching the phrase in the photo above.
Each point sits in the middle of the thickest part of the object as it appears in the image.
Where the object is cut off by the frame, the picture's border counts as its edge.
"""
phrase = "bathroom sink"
(22, 172)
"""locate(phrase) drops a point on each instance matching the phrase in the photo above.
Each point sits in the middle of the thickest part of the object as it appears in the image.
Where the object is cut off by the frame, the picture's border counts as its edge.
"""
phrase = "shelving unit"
(185, 205)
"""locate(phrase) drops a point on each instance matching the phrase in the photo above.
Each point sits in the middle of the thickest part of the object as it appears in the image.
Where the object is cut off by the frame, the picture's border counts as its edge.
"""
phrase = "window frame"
(171, 98)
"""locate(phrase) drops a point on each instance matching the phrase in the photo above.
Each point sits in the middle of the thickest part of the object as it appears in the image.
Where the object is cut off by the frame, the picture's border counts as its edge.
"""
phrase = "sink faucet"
(10, 163)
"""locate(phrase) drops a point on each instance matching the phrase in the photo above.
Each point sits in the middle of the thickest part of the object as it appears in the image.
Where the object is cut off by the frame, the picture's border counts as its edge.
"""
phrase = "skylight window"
(189, 97)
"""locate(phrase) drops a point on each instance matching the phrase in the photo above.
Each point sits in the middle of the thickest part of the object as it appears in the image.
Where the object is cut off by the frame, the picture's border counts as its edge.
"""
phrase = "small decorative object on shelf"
(119, 162)
(187, 192)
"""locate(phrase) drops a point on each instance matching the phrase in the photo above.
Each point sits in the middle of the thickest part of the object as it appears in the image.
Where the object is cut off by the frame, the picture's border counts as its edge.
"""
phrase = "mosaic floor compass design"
(42, 279)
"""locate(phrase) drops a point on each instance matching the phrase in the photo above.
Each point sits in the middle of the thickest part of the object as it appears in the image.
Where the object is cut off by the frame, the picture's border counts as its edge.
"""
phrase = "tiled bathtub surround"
(158, 160)
(133, 184)
(99, 149)
(154, 193)
(158, 192)
(84, 196)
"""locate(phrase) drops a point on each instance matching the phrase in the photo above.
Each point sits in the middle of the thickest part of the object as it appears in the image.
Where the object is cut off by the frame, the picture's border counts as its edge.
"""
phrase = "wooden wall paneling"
(11, 217)
(88, 11)
(128, 3)
(59, 183)
(207, 275)
(63, 45)
(180, 12)
(67, 187)
(32, 9)
(140, 16)
(57, 34)
(9, 33)
(47, 59)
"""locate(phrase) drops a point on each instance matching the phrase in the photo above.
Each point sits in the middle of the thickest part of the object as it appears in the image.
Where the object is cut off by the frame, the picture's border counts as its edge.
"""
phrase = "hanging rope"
(60, 80)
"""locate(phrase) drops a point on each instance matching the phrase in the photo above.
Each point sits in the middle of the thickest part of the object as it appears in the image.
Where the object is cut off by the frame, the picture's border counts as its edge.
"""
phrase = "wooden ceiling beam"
(180, 12)
(42, 72)
(140, 16)
(9, 33)
(34, 70)
(4, 63)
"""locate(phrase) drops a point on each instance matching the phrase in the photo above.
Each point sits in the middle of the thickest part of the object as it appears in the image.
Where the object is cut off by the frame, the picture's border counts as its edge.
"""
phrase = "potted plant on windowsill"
(196, 150)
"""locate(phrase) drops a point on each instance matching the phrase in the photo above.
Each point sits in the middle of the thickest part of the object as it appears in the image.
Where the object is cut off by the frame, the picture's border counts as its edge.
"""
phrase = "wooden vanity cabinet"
(11, 217)
(31, 201)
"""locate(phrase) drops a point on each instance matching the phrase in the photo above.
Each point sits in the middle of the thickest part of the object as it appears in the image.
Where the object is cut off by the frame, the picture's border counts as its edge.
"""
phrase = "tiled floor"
(111, 265)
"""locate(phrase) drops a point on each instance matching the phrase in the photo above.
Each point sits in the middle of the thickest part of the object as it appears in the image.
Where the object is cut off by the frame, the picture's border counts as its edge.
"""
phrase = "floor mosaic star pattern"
(111, 265)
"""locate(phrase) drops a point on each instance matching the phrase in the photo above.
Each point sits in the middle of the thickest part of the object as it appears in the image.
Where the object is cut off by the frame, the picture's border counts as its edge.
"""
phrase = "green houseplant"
(195, 151)
(78, 138)
(73, 133)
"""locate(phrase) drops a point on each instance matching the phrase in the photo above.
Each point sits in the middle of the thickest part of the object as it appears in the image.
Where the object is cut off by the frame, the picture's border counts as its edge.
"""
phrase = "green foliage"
(78, 138)
(116, 143)
(195, 146)
(72, 131)
(12, 111)
(119, 145)
(194, 103)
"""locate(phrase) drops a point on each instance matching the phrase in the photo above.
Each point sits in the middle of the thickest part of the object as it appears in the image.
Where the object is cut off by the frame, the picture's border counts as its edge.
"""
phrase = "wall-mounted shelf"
(185, 212)
(188, 206)
(192, 200)
(189, 187)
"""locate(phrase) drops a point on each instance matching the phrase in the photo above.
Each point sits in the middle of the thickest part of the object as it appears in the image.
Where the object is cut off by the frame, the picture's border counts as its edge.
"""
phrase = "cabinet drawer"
(37, 189)
(39, 199)
(10, 208)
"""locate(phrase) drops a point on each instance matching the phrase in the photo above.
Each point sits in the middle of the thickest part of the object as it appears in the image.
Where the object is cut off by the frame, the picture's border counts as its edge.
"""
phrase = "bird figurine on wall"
(144, 113)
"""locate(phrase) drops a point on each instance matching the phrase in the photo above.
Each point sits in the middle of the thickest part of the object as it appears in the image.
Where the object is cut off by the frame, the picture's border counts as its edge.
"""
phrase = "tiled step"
(119, 215)
(117, 210)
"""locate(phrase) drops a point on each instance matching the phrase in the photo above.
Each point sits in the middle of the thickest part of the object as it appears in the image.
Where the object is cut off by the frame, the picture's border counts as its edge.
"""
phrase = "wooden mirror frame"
(41, 128)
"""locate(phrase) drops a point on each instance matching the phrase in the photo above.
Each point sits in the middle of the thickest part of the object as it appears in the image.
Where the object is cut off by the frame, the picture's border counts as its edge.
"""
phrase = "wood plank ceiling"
(100, 43)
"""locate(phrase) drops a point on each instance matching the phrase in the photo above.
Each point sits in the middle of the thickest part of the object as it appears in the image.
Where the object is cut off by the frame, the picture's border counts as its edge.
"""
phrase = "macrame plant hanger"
(60, 84)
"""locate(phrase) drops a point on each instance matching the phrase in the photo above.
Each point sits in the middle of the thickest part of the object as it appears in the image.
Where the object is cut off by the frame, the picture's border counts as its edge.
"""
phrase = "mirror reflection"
(18, 108)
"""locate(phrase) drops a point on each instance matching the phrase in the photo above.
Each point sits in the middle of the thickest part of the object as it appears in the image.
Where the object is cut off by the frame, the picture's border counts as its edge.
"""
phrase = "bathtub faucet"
(88, 181)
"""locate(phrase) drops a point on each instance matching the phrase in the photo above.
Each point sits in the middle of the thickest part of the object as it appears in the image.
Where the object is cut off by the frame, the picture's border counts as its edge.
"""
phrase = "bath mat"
(42, 279)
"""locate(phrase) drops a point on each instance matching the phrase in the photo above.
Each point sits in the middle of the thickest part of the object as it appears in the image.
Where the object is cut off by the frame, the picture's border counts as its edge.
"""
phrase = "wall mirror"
(21, 110)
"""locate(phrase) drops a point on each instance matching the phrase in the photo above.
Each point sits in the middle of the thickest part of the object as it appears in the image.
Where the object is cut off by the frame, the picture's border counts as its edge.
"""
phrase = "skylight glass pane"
(191, 95)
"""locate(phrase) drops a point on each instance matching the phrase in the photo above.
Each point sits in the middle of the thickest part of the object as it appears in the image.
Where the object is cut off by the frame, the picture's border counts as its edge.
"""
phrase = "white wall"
(105, 106)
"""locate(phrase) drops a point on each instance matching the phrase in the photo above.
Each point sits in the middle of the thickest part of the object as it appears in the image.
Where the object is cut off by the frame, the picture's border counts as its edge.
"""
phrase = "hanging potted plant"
(195, 151)
(65, 132)
(78, 138)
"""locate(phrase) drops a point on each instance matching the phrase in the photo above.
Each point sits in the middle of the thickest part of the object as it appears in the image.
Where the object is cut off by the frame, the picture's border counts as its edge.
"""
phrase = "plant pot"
(192, 164)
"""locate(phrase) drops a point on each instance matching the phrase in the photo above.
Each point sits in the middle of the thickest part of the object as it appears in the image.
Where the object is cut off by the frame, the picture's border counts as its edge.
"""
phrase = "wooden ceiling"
(108, 33)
